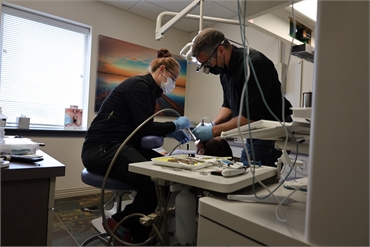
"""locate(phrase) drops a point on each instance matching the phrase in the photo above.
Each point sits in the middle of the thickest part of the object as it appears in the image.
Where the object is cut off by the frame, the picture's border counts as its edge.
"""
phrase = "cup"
(307, 100)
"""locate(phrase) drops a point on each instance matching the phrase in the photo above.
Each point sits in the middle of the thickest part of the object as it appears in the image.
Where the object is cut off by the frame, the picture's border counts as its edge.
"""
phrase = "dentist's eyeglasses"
(206, 65)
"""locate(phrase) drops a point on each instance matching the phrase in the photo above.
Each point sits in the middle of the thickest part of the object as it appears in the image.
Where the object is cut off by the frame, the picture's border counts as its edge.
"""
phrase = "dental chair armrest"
(150, 142)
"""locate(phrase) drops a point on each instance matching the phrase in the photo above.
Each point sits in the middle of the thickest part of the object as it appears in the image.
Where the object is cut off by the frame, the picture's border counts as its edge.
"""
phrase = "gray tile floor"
(72, 226)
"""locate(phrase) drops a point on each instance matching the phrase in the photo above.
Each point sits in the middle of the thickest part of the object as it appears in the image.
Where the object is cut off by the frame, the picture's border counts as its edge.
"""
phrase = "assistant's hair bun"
(163, 52)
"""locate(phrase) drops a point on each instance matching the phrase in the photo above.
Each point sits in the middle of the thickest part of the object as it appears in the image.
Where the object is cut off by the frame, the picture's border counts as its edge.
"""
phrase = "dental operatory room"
(184, 123)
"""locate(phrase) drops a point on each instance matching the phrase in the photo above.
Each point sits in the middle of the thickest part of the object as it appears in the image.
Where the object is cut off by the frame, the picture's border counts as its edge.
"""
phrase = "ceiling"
(224, 9)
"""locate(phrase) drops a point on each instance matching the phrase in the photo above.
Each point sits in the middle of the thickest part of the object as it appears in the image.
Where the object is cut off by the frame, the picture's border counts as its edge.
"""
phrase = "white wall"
(104, 20)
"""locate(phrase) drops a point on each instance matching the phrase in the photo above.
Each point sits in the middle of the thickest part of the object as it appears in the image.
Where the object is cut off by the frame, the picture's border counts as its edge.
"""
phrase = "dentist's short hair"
(207, 41)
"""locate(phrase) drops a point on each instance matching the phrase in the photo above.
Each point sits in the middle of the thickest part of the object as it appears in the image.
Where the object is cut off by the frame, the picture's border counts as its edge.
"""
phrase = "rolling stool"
(121, 189)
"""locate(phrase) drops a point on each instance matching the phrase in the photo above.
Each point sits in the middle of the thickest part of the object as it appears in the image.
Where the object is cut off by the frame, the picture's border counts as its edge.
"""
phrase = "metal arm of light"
(186, 51)
(159, 31)
(188, 55)
(221, 20)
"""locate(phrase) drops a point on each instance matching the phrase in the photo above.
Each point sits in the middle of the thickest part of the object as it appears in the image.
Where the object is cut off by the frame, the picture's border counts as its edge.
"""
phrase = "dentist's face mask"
(207, 65)
(168, 86)
(216, 70)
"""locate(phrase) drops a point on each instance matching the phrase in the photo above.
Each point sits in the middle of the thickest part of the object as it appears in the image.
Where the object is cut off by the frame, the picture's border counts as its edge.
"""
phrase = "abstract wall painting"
(119, 60)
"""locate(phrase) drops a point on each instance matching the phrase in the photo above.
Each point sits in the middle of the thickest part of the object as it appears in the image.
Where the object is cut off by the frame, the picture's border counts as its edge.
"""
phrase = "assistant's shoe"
(123, 233)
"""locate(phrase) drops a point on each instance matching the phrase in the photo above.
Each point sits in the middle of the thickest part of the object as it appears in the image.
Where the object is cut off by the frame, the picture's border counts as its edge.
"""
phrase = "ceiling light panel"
(212, 9)
(230, 5)
(174, 5)
(122, 4)
(147, 9)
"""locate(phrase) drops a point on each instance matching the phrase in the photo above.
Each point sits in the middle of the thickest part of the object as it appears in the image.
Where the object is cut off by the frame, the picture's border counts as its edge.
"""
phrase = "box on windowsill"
(23, 122)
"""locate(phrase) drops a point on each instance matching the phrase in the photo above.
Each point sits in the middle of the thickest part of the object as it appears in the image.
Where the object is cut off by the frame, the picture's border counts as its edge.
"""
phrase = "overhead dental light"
(189, 46)
(186, 53)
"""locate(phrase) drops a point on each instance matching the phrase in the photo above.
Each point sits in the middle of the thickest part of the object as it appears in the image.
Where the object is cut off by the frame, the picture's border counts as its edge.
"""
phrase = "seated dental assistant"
(216, 54)
(128, 105)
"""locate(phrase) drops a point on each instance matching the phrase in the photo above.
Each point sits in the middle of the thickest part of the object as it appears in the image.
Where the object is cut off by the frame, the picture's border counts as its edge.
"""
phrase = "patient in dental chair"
(214, 147)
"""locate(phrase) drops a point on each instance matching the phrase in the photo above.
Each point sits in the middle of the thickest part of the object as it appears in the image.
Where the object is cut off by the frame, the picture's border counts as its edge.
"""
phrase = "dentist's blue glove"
(205, 124)
(203, 133)
(181, 123)
(180, 136)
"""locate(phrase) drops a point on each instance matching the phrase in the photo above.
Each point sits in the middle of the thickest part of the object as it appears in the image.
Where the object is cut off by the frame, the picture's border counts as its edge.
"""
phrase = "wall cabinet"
(300, 78)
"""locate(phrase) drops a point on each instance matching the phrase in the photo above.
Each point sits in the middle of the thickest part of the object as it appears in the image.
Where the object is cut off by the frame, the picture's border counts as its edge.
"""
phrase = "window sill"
(53, 132)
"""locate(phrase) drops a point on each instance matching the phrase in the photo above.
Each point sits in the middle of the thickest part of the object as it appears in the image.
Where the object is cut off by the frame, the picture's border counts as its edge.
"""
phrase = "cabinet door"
(299, 80)
(211, 233)
(307, 78)
(293, 82)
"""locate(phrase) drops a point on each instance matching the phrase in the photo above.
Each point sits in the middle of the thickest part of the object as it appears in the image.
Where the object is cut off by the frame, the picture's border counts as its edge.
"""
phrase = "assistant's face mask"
(168, 86)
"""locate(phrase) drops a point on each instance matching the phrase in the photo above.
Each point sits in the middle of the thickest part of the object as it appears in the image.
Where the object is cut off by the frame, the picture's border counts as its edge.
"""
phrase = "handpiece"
(192, 135)
(232, 172)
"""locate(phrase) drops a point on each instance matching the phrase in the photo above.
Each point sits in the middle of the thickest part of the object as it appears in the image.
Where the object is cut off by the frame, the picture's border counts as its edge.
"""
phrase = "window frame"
(70, 25)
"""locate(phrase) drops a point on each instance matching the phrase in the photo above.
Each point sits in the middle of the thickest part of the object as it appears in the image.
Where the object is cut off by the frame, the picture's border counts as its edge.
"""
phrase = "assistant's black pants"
(97, 158)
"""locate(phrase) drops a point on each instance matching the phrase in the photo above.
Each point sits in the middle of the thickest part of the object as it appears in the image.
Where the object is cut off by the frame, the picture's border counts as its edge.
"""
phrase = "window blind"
(44, 64)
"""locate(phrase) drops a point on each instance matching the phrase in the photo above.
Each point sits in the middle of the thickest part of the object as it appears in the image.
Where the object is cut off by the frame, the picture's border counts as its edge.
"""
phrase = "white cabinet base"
(212, 234)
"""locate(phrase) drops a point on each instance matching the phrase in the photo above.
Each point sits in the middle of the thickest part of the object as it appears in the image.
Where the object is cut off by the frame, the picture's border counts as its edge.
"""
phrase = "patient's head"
(215, 147)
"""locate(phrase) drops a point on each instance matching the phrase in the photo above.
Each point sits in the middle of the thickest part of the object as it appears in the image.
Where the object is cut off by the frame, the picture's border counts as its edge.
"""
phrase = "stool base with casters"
(120, 190)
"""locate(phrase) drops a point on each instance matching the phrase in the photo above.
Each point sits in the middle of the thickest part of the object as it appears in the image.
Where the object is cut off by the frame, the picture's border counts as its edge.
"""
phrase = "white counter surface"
(257, 221)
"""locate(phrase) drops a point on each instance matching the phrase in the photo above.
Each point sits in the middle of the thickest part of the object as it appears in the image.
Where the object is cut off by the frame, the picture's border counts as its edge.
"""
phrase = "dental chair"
(119, 188)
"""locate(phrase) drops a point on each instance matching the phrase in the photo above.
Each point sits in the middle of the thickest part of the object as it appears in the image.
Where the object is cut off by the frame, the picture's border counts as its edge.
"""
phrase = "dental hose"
(109, 231)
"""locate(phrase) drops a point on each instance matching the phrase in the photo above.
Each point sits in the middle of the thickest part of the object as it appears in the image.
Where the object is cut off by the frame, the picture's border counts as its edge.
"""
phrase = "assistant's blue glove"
(203, 133)
(180, 136)
(181, 123)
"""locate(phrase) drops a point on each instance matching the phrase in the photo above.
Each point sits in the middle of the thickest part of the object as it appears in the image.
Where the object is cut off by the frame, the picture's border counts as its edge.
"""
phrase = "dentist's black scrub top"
(233, 81)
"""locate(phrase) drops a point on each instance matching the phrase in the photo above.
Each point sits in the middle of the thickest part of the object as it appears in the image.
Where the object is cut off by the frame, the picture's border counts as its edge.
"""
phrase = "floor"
(72, 226)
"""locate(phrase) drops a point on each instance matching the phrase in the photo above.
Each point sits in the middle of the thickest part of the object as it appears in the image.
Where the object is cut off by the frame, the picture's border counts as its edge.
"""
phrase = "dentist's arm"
(232, 124)
(223, 116)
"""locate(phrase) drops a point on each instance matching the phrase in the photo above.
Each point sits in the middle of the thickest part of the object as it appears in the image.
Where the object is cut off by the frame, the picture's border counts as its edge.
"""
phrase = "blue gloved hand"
(181, 123)
(203, 133)
(180, 136)
(205, 124)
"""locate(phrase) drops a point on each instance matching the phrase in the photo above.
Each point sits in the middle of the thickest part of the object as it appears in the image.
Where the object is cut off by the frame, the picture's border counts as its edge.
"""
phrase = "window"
(44, 67)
